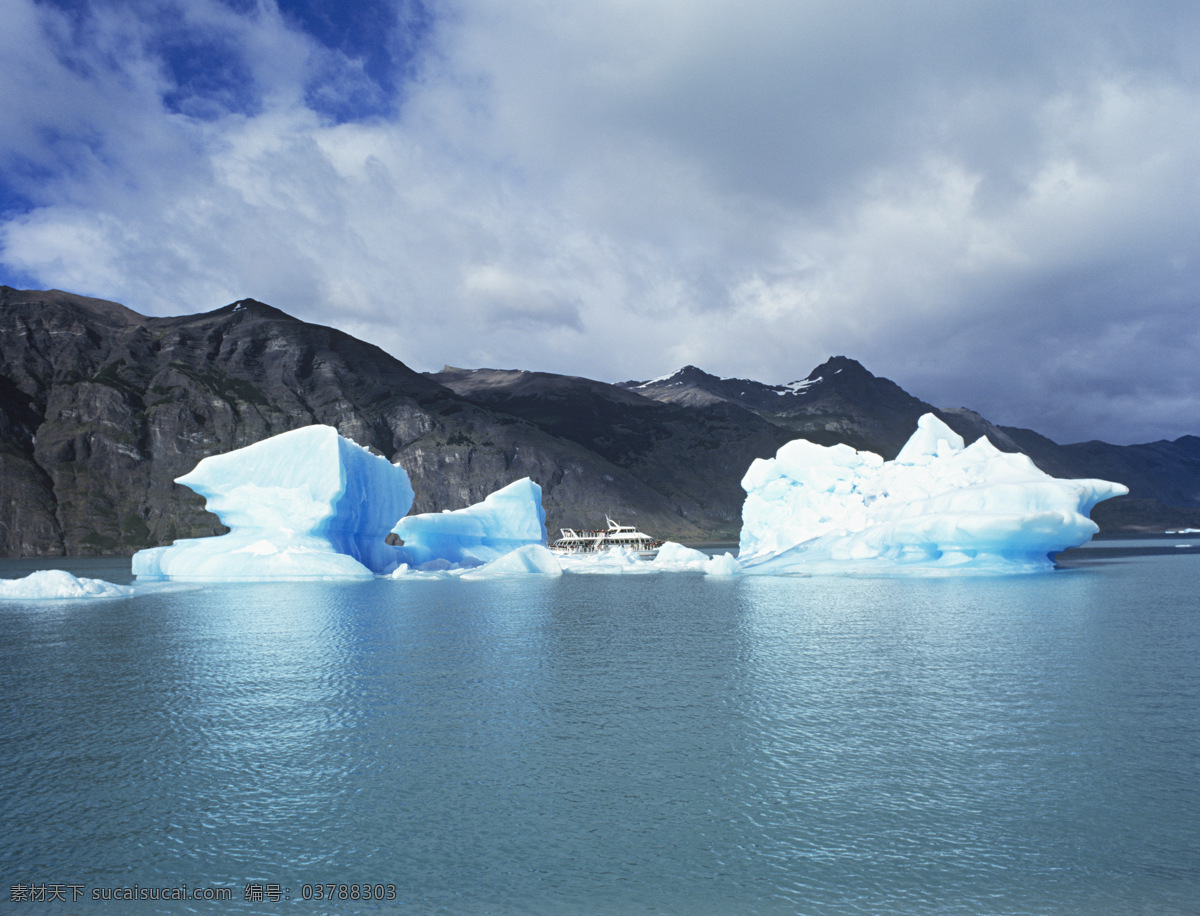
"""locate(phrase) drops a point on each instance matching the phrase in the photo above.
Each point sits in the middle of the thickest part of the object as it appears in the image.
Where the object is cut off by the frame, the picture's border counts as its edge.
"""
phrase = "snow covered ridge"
(940, 505)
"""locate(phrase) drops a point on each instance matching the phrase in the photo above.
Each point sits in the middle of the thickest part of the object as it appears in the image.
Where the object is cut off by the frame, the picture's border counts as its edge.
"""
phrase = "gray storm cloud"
(995, 204)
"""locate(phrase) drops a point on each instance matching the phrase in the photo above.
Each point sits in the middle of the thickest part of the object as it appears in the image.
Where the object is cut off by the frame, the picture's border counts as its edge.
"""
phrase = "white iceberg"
(673, 557)
(939, 505)
(49, 584)
(529, 560)
(724, 565)
(303, 504)
(511, 517)
(614, 561)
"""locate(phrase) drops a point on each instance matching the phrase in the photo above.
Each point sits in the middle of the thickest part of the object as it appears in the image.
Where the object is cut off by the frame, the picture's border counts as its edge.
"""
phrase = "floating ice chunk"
(511, 517)
(303, 504)
(673, 557)
(724, 565)
(938, 505)
(437, 570)
(530, 560)
(57, 583)
(614, 561)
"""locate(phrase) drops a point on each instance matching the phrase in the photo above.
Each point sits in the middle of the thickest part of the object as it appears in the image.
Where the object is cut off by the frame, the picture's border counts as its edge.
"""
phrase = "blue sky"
(995, 203)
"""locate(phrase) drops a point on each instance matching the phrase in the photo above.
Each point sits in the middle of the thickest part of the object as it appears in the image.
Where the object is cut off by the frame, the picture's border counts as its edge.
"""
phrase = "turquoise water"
(641, 744)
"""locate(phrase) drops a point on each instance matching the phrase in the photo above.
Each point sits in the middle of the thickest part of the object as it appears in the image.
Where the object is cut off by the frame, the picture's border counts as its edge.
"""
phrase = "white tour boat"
(575, 542)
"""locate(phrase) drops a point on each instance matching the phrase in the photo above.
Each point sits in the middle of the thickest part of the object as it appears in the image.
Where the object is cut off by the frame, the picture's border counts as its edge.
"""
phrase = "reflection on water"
(662, 743)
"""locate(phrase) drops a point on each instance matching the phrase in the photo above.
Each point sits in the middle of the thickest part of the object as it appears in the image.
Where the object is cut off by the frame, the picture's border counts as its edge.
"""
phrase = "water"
(642, 744)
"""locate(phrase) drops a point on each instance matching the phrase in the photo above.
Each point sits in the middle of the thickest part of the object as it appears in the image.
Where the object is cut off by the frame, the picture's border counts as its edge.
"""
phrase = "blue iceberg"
(303, 504)
(510, 518)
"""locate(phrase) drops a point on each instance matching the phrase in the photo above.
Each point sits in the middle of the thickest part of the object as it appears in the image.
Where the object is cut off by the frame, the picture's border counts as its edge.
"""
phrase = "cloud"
(991, 203)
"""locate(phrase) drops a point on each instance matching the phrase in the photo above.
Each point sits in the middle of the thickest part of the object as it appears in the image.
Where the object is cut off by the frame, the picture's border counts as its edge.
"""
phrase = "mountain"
(102, 408)
(694, 455)
(839, 401)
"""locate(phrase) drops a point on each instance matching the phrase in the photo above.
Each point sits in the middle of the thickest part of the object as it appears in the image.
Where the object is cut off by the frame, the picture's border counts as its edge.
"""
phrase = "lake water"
(601, 745)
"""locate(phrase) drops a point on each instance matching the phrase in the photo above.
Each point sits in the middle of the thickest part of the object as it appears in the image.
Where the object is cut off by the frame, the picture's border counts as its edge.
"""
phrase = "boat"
(591, 541)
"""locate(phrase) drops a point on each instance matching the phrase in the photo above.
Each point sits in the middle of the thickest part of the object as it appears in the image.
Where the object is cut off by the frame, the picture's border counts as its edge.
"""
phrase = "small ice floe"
(674, 557)
(616, 561)
(537, 560)
(53, 584)
(671, 558)
(530, 560)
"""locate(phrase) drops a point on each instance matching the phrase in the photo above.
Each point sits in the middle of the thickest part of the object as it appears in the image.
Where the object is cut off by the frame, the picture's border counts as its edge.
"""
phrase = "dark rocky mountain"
(694, 455)
(102, 408)
(839, 401)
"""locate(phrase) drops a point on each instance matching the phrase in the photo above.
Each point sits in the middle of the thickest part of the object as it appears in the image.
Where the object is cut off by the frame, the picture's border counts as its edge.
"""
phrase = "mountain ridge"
(1161, 475)
(101, 408)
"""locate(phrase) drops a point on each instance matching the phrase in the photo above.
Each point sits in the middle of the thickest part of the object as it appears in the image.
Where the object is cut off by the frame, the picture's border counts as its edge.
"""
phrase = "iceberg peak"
(932, 439)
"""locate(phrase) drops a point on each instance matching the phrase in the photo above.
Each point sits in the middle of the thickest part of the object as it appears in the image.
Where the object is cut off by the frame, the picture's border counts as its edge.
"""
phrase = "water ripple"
(621, 745)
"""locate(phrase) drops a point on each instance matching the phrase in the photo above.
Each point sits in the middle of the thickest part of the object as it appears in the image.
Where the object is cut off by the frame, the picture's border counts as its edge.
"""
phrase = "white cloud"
(985, 202)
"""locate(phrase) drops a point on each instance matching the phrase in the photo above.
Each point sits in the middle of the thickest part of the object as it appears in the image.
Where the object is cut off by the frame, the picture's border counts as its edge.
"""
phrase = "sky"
(995, 203)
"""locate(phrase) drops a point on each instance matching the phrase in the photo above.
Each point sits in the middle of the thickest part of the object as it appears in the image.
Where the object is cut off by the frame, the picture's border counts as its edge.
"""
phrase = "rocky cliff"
(102, 408)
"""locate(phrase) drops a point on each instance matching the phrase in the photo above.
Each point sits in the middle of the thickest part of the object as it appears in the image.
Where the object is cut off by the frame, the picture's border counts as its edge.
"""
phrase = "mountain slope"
(695, 455)
(839, 401)
(101, 408)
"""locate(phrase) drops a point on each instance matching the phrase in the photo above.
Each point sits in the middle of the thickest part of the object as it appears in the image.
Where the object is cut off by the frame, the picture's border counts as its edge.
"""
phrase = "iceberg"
(612, 562)
(507, 519)
(940, 505)
(670, 558)
(530, 560)
(303, 504)
(673, 557)
(49, 584)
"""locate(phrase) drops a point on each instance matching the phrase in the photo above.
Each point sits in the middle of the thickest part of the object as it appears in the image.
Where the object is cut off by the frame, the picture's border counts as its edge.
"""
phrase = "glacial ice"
(673, 557)
(528, 560)
(509, 518)
(939, 505)
(303, 504)
(311, 504)
(48, 584)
